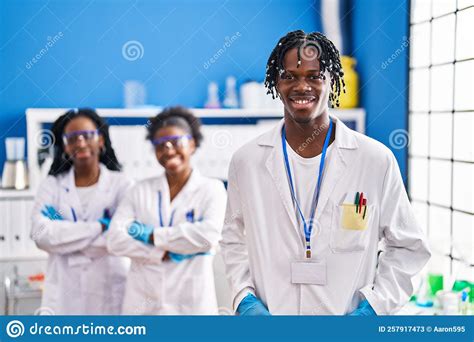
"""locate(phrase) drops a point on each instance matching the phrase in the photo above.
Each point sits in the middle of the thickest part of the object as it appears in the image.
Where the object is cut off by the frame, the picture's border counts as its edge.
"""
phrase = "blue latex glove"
(252, 306)
(51, 213)
(175, 257)
(364, 309)
(140, 231)
(105, 220)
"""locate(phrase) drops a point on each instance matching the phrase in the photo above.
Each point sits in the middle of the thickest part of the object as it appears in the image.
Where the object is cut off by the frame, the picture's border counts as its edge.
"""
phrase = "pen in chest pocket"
(190, 216)
(365, 208)
(360, 202)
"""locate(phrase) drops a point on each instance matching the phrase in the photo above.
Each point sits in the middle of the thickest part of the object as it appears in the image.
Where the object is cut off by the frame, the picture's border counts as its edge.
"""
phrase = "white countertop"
(7, 194)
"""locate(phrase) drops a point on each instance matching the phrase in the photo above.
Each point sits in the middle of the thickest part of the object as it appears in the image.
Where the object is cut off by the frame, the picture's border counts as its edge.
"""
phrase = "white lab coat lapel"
(165, 208)
(337, 165)
(68, 185)
(276, 168)
(334, 170)
(103, 195)
(181, 198)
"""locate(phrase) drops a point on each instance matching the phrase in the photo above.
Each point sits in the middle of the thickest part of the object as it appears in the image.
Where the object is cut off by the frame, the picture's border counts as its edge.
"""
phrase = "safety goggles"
(73, 137)
(176, 142)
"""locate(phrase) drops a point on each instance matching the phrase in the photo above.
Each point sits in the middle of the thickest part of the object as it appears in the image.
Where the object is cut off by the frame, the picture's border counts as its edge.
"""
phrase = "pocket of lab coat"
(349, 229)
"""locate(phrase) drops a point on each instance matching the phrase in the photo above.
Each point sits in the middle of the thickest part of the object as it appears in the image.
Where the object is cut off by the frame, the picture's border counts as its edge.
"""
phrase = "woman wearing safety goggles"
(170, 225)
(71, 217)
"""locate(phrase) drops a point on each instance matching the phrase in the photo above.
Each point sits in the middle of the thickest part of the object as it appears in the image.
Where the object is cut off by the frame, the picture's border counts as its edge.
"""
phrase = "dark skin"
(305, 98)
(177, 162)
(84, 154)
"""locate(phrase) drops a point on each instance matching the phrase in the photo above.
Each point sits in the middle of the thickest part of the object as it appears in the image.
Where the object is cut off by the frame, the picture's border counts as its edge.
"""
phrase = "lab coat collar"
(68, 181)
(68, 184)
(344, 142)
(345, 137)
(193, 182)
(191, 185)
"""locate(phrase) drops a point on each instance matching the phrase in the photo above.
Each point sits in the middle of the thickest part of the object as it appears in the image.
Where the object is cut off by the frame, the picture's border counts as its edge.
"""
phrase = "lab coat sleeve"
(98, 247)
(406, 250)
(196, 237)
(119, 242)
(58, 236)
(233, 244)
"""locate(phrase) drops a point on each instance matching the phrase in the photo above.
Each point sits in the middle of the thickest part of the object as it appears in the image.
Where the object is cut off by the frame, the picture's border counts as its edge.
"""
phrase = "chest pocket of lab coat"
(350, 231)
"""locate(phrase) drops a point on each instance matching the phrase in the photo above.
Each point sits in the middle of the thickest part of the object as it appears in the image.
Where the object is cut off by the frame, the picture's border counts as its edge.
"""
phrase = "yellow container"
(351, 98)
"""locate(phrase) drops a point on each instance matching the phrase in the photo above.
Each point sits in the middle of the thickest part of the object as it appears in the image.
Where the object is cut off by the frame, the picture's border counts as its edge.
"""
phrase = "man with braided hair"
(318, 221)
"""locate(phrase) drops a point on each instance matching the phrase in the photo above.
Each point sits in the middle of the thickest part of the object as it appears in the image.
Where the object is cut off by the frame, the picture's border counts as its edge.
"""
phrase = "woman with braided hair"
(71, 218)
(310, 201)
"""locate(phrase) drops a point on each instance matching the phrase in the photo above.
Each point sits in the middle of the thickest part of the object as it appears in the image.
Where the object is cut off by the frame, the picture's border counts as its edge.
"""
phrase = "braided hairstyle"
(310, 46)
(61, 162)
(179, 117)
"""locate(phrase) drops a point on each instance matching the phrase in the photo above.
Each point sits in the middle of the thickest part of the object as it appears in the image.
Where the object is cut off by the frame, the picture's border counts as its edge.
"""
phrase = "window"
(441, 124)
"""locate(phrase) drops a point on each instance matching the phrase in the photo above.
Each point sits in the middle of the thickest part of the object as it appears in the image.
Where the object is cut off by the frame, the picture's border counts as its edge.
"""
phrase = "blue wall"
(380, 28)
(85, 65)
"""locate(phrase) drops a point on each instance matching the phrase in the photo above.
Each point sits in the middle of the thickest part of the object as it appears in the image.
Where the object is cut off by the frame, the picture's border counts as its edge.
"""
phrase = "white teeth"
(301, 101)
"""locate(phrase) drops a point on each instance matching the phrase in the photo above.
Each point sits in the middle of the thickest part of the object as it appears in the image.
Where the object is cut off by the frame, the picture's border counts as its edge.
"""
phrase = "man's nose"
(302, 85)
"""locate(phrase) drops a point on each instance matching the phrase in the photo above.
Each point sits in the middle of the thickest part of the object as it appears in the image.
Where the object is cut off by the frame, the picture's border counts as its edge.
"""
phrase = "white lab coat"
(261, 236)
(157, 287)
(82, 278)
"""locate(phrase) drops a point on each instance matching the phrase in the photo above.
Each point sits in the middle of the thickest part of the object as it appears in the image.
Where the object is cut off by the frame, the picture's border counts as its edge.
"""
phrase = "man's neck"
(307, 139)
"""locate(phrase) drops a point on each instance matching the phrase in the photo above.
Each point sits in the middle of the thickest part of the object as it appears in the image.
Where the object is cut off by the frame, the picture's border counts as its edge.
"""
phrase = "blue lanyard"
(74, 216)
(159, 212)
(308, 228)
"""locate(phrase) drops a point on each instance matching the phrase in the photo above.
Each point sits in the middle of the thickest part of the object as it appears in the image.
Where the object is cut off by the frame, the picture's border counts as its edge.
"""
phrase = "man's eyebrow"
(293, 70)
